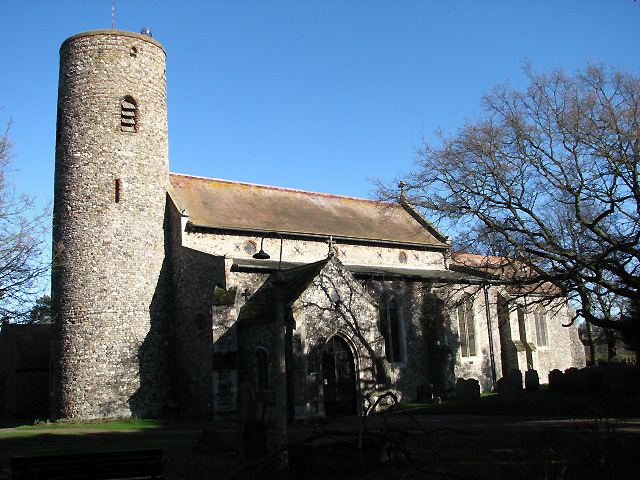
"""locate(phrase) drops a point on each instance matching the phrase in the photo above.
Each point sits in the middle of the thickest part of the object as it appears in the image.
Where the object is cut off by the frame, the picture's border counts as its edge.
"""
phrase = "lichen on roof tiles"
(231, 205)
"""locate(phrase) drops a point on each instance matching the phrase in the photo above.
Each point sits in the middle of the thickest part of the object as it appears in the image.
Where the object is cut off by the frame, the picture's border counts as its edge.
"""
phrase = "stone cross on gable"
(330, 243)
(401, 186)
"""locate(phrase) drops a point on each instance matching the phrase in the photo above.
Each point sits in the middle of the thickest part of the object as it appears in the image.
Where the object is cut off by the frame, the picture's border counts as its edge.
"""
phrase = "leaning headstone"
(556, 380)
(531, 381)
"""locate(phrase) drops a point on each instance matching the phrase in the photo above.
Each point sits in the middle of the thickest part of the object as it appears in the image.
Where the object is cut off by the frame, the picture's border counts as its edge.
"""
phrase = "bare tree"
(548, 178)
(22, 236)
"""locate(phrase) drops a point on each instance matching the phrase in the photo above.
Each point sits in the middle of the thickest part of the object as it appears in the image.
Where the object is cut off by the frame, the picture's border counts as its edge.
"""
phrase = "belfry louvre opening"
(128, 115)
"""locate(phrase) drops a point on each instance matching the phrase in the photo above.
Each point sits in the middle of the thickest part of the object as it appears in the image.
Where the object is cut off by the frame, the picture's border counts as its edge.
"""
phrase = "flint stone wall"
(109, 276)
(309, 251)
(564, 348)
(477, 366)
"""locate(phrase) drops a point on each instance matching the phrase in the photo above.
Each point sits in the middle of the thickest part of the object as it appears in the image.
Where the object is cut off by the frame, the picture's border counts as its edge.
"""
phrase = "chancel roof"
(223, 204)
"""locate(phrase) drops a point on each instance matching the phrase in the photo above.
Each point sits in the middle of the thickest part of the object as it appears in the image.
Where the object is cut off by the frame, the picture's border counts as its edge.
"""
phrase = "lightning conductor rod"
(113, 14)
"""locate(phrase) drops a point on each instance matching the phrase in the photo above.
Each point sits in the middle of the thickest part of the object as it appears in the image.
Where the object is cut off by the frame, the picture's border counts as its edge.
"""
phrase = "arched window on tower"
(262, 369)
(128, 115)
(391, 329)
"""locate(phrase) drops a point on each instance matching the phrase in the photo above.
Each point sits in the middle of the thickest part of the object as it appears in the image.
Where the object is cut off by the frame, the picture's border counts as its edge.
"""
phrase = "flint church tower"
(109, 275)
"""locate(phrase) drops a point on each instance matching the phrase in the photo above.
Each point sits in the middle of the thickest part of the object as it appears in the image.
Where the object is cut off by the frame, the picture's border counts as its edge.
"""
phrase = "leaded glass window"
(467, 328)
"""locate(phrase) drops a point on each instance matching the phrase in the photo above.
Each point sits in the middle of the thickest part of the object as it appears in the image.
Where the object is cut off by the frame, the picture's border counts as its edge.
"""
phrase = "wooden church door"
(338, 372)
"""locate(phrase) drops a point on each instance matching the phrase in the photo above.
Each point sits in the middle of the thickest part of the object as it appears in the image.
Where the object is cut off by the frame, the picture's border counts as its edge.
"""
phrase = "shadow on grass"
(544, 403)
(184, 456)
(15, 422)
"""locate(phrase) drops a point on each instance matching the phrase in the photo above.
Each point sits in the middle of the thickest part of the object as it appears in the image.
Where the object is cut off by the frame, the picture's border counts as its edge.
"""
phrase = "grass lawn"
(124, 424)
(186, 454)
(543, 403)
(488, 438)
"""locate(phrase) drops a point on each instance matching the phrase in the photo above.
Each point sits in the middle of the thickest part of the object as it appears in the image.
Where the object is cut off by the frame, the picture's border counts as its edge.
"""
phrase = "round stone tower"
(109, 279)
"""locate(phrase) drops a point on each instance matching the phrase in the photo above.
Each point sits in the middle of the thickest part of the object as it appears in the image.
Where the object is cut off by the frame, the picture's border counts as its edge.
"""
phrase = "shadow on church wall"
(199, 276)
(153, 396)
(174, 359)
(336, 303)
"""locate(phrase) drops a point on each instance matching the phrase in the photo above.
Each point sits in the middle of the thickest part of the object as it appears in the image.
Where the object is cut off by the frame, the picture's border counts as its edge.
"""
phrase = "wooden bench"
(133, 464)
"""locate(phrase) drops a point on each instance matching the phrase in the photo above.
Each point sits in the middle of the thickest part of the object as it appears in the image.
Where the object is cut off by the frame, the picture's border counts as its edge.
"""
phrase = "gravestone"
(468, 389)
(556, 380)
(574, 381)
(514, 380)
(510, 386)
(531, 381)
(425, 393)
(501, 387)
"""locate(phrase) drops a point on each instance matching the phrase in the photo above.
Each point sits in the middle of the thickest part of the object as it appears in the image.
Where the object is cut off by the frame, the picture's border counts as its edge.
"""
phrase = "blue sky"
(317, 95)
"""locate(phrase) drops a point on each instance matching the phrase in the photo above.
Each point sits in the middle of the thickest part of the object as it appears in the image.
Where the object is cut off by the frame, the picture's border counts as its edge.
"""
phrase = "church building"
(176, 294)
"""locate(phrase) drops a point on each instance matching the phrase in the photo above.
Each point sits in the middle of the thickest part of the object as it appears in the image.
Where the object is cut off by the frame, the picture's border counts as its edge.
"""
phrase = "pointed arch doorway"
(339, 378)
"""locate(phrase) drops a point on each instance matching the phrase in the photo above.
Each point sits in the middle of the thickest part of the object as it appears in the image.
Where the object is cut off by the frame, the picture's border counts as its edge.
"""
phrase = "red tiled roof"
(527, 279)
(482, 261)
(231, 205)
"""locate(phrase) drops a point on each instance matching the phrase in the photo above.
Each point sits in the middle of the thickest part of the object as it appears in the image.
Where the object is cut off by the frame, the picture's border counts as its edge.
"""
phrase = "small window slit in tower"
(118, 190)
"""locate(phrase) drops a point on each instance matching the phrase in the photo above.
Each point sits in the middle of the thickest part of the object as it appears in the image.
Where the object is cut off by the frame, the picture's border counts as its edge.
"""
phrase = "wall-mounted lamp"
(262, 255)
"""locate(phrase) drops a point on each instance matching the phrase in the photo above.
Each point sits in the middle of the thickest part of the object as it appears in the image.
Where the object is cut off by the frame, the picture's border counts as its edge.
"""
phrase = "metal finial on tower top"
(146, 31)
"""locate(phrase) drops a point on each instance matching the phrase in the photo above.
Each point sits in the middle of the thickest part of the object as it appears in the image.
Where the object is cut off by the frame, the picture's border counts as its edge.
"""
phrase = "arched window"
(467, 328)
(128, 115)
(391, 330)
(262, 369)
(540, 319)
